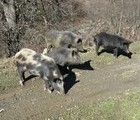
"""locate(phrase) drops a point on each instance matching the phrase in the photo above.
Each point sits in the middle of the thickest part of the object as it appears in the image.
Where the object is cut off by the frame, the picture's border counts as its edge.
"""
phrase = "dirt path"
(109, 79)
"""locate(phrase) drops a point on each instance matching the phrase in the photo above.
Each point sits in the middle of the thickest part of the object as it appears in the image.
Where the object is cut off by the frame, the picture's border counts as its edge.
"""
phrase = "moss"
(124, 107)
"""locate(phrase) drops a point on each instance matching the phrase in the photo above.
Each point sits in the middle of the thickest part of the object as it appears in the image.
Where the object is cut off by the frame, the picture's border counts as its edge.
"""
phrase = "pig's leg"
(49, 47)
(21, 75)
(47, 84)
(97, 48)
(115, 52)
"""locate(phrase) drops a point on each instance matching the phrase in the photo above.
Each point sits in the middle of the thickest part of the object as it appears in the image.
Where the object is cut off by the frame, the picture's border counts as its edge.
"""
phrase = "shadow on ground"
(85, 66)
(29, 78)
(110, 51)
(69, 75)
(69, 81)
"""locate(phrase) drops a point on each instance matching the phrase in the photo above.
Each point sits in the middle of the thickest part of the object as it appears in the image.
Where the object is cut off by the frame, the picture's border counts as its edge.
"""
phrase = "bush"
(38, 16)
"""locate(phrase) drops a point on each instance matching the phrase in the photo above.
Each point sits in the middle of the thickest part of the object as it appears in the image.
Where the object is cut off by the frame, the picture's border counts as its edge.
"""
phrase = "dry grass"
(86, 17)
(123, 107)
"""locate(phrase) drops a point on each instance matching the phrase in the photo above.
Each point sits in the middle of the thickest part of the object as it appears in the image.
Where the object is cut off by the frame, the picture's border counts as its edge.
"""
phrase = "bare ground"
(110, 77)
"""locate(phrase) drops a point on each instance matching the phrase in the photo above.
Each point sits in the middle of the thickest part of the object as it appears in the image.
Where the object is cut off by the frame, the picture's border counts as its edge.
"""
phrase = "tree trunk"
(12, 33)
(9, 11)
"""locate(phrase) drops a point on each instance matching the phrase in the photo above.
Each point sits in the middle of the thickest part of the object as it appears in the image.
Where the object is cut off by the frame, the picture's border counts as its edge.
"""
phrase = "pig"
(65, 57)
(39, 65)
(56, 39)
(114, 42)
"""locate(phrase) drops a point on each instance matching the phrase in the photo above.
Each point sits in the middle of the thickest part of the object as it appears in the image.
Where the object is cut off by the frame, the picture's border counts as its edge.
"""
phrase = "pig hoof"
(58, 92)
(21, 83)
(49, 91)
(44, 88)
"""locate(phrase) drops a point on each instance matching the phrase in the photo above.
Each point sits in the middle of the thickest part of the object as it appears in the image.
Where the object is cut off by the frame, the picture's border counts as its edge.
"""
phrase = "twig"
(1, 110)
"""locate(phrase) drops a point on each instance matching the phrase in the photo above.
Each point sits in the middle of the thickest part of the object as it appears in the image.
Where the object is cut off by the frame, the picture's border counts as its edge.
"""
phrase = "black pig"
(113, 42)
(55, 39)
(65, 56)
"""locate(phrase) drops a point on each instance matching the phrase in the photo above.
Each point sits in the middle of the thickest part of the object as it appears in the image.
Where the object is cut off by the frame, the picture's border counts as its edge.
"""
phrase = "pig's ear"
(73, 53)
(127, 43)
(130, 42)
(56, 80)
(79, 40)
(69, 46)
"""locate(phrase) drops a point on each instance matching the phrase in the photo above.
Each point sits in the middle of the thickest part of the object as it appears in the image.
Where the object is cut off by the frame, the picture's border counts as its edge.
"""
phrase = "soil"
(31, 102)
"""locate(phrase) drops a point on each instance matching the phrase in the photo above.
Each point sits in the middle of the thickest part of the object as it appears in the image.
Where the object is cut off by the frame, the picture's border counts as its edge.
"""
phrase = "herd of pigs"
(61, 53)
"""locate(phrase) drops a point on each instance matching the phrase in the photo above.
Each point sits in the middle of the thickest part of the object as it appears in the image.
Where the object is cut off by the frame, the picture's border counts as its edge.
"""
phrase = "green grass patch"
(9, 77)
(124, 107)
(135, 47)
(107, 58)
(8, 74)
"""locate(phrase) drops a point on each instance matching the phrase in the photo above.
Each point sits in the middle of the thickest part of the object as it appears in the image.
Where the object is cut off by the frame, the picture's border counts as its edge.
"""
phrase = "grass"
(9, 77)
(135, 47)
(106, 58)
(8, 74)
(123, 107)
